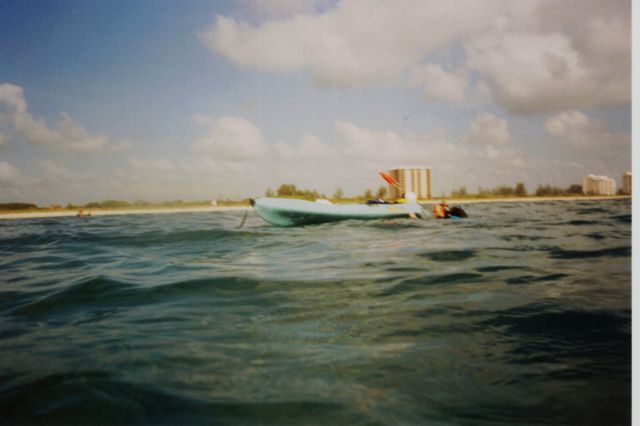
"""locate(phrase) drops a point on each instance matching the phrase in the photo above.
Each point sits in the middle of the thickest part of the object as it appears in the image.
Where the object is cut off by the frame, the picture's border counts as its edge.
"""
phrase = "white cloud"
(541, 72)
(230, 138)
(283, 151)
(275, 9)
(438, 84)
(453, 164)
(576, 129)
(370, 144)
(121, 146)
(57, 172)
(358, 42)
(4, 139)
(380, 149)
(504, 157)
(14, 184)
(539, 55)
(67, 136)
(12, 97)
(161, 165)
(487, 129)
(569, 54)
(311, 147)
(8, 173)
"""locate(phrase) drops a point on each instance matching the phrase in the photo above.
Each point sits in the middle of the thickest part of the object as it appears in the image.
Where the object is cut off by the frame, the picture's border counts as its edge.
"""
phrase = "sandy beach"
(524, 199)
(98, 212)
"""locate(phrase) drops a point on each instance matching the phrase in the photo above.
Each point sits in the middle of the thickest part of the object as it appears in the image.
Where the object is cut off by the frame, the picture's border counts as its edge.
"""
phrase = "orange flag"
(389, 178)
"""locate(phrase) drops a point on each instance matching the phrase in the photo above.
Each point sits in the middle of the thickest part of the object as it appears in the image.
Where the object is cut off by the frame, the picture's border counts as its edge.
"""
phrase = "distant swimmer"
(81, 213)
(441, 211)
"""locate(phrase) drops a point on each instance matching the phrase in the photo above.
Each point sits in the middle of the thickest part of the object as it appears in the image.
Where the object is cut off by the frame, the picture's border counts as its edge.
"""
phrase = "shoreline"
(115, 212)
(529, 199)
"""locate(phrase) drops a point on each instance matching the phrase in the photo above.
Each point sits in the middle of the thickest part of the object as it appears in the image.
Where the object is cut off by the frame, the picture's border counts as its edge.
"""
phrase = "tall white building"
(416, 179)
(598, 185)
(626, 183)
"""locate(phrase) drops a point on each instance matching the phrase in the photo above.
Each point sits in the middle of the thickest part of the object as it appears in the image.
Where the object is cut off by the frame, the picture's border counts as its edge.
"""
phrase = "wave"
(101, 292)
(101, 397)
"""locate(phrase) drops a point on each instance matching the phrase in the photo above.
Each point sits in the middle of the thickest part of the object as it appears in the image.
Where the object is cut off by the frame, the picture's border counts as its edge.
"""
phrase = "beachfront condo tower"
(414, 179)
(626, 183)
(598, 185)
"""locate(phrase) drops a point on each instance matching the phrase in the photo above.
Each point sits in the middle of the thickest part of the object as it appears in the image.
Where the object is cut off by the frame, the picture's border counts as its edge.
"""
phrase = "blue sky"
(202, 99)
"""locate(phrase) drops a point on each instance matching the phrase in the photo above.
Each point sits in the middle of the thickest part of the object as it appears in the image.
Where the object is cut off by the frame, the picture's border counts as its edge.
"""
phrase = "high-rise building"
(626, 183)
(598, 185)
(411, 179)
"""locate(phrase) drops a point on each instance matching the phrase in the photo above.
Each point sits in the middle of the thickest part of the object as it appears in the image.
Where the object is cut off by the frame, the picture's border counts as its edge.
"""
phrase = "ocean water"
(519, 315)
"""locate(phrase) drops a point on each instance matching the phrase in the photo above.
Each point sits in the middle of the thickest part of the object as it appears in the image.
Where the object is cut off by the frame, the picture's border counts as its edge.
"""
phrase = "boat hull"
(293, 212)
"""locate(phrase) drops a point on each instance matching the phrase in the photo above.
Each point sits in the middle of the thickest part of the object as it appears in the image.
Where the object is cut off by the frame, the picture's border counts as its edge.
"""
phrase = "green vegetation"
(289, 190)
(12, 207)
(519, 190)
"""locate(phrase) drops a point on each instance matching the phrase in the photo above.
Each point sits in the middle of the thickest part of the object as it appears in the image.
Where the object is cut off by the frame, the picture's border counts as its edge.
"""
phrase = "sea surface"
(518, 315)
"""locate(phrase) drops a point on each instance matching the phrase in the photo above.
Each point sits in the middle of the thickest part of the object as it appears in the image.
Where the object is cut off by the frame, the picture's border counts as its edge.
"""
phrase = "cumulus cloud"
(4, 139)
(230, 138)
(539, 55)
(505, 157)
(13, 183)
(275, 9)
(540, 72)
(313, 148)
(391, 147)
(8, 173)
(58, 172)
(358, 42)
(151, 166)
(438, 84)
(487, 129)
(121, 146)
(576, 129)
(368, 150)
(67, 135)
(567, 55)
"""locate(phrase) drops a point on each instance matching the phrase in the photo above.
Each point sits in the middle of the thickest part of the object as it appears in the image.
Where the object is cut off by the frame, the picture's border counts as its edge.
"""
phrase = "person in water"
(81, 213)
(441, 211)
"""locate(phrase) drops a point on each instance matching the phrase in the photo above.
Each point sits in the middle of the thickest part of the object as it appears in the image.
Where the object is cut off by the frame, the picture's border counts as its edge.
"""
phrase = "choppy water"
(520, 314)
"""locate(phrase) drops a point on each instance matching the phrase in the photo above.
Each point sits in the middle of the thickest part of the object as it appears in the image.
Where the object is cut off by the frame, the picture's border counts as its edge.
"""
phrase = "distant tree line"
(17, 206)
(548, 190)
(500, 191)
(518, 191)
(290, 190)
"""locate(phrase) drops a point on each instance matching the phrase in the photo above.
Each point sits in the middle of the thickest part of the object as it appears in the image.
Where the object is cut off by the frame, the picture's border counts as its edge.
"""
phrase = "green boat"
(292, 212)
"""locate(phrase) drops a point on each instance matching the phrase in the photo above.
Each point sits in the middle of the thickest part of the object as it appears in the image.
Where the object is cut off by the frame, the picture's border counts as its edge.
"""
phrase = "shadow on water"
(449, 255)
(582, 254)
(96, 397)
